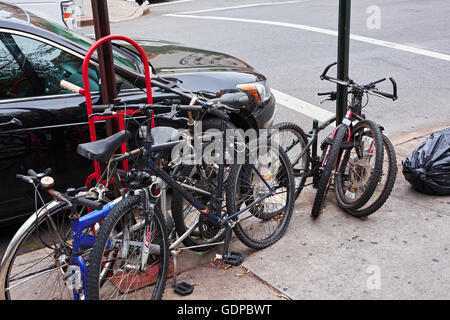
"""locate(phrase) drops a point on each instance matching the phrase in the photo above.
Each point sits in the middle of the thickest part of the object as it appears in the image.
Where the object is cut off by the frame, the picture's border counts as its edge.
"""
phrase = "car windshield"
(82, 41)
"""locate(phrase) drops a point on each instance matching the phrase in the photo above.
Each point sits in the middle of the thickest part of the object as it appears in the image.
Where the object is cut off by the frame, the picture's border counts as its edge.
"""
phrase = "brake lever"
(331, 98)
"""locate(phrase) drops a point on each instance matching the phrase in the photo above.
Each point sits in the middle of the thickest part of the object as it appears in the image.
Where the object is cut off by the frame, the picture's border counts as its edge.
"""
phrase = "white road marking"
(243, 6)
(284, 99)
(392, 45)
(302, 107)
(168, 3)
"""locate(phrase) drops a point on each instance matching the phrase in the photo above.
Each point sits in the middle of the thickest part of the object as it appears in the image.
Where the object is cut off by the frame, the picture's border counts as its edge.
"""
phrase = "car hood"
(169, 57)
(197, 69)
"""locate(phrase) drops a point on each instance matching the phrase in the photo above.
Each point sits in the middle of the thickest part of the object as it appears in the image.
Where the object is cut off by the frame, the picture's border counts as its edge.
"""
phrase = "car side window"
(30, 68)
(10, 74)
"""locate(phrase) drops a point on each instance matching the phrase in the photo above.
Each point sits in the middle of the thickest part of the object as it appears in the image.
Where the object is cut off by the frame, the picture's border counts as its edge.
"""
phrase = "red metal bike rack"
(87, 93)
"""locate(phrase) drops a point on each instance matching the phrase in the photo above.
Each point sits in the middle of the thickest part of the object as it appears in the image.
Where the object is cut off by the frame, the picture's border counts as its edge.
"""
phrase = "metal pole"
(343, 57)
(105, 60)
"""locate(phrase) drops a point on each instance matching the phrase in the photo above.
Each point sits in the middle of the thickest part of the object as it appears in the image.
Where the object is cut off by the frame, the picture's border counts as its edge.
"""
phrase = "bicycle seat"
(235, 100)
(161, 134)
(102, 150)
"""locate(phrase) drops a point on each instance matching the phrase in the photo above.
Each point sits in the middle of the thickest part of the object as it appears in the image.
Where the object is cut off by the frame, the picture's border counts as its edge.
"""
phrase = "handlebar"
(370, 88)
(214, 109)
(160, 109)
(324, 73)
(46, 182)
(392, 95)
(325, 93)
(89, 203)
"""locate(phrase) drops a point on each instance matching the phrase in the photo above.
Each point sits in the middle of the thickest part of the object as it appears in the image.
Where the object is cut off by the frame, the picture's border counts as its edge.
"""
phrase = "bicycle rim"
(116, 271)
(385, 183)
(265, 222)
(361, 169)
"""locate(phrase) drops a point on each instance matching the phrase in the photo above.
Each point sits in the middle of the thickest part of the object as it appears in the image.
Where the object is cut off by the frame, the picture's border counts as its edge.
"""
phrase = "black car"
(35, 55)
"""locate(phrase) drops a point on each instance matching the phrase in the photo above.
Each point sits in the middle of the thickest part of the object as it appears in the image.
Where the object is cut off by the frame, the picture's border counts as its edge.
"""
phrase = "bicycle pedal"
(183, 288)
(234, 258)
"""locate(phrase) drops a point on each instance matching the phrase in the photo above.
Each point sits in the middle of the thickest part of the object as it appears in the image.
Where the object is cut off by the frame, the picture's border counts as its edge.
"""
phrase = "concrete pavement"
(118, 10)
(400, 252)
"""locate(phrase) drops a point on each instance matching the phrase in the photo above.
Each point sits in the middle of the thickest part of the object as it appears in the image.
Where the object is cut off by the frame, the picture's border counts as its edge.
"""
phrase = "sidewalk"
(404, 244)
(118, 10)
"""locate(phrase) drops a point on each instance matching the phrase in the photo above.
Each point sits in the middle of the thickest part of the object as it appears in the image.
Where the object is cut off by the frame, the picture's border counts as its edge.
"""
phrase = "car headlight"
(258, 90)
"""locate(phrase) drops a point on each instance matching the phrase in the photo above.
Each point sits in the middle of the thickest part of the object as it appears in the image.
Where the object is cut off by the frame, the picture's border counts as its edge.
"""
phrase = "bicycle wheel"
(292, 139)
(361, 167)
(266, 221)
(37, 257)
(385, 184)
(326, 175)
(185, 215)
(116, 269)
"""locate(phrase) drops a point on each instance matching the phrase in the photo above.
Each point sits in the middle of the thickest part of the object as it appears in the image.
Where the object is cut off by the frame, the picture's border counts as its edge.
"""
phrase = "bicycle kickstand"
(231, 257)
(182, 288)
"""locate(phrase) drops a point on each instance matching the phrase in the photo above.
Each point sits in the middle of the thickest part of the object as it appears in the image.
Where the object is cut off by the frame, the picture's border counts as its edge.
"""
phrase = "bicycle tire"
(244, 226)
(289, 146)
(326, 175)
(360, 158)
(124, 281)
(34, 262)
(386, 187)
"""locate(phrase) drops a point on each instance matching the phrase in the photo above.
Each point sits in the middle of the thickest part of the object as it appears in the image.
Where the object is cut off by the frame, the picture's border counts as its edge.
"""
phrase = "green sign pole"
(343, 57)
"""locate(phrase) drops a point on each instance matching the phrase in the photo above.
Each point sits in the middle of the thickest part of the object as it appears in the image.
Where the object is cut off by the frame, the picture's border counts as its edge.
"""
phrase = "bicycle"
(47, 246)
(240, 198)
(48, 256)
(302, 150)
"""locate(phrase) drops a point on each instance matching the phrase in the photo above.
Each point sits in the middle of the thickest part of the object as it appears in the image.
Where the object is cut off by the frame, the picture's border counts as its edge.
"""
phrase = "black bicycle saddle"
(102, 150)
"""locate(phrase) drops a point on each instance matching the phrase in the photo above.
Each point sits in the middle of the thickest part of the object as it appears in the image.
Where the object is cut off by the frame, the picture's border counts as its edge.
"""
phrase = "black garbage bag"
(428, 167)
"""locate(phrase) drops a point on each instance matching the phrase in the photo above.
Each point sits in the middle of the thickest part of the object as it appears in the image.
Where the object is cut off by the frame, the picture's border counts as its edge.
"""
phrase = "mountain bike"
(302, 150)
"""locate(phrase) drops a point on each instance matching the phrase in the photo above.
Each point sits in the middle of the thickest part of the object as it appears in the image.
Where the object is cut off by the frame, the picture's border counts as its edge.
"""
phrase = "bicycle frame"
(218, 220)
(353, 113)
(81, 240)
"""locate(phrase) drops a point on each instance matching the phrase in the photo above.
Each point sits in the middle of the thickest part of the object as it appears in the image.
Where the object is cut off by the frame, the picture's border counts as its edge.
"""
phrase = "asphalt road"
(292, 41)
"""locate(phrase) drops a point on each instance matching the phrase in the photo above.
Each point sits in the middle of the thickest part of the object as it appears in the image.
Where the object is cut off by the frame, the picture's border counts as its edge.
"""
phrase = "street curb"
(140, 11)
(416, 135)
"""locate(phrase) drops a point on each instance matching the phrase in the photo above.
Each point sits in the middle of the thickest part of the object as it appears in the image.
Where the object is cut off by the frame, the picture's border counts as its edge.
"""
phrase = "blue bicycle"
(47, 257)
